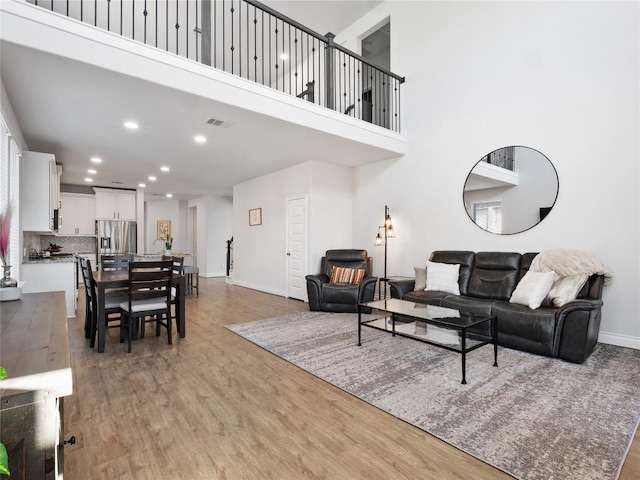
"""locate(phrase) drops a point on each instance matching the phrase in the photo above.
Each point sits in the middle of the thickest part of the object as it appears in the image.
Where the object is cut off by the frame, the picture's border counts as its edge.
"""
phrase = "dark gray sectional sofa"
(487, 280)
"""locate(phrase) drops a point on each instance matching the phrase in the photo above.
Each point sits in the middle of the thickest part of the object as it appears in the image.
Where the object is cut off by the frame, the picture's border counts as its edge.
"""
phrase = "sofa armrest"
(314, 290)
(577, 328)
(400, 287)
(368, 289)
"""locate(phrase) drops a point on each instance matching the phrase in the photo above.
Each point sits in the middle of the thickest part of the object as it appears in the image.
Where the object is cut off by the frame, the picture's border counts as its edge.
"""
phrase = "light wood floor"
(215, 406)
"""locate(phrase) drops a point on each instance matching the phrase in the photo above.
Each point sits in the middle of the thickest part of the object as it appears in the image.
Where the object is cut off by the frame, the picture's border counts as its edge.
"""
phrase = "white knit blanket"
(571, 262)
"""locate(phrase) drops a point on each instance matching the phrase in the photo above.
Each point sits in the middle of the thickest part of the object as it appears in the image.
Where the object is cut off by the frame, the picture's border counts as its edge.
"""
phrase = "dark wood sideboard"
(34, 348)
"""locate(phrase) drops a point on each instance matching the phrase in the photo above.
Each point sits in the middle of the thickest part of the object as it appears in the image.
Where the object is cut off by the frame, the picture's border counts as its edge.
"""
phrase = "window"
(10, 193)
(488, 215)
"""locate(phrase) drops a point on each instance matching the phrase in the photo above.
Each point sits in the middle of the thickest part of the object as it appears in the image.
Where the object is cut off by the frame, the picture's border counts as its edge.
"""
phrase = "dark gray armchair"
(341, 297)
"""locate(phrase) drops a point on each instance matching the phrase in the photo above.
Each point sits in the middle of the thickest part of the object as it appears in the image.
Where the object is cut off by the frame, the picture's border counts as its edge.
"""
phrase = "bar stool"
(190, 271)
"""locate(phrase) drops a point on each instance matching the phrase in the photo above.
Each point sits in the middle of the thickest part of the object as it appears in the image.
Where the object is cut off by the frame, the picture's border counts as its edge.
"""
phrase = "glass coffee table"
(446, 328)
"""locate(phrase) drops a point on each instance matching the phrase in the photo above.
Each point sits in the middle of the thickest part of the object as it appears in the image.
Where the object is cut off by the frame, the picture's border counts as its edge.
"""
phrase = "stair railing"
(253, 41)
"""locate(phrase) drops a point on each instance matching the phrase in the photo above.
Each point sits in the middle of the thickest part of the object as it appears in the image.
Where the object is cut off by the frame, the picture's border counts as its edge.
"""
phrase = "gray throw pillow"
(421, 279)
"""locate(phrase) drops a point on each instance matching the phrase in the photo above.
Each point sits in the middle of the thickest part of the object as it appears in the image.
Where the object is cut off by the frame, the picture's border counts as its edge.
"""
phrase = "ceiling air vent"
(216, 122)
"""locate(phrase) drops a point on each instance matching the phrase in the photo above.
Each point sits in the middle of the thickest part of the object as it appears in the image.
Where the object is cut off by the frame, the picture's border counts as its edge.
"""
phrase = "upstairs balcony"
(252, 41)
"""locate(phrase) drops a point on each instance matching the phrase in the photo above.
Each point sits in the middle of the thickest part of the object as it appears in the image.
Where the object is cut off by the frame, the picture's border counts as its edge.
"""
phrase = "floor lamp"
(382, 241)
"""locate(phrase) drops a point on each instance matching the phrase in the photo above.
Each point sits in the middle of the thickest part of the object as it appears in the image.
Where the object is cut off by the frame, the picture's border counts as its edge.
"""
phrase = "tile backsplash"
(34, 241)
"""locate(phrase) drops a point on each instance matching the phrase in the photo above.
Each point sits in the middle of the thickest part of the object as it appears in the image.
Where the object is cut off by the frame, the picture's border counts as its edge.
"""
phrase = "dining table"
(108, 279)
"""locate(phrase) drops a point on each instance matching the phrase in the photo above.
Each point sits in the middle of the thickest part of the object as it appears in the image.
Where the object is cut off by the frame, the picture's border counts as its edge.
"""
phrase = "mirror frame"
(543, 210)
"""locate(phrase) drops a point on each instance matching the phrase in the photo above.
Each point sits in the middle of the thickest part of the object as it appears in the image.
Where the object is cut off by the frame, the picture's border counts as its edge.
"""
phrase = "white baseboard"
(619, 340)
(213, 274)
(260, 288)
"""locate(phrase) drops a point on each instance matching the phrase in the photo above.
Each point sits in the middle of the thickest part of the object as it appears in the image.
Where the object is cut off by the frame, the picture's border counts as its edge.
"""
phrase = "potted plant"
(168, 243)
(4, 457)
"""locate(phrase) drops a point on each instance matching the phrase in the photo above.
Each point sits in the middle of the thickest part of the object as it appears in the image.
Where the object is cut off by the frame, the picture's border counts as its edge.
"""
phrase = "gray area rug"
(532, 417)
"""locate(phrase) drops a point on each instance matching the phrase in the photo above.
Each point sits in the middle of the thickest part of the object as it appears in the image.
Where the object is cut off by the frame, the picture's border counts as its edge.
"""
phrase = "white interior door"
(297, 248)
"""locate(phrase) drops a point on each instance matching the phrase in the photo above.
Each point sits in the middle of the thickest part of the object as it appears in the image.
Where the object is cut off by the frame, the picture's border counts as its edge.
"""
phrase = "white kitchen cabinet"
(112, 204)
(52, 277)
(39, 195)
(77, 214)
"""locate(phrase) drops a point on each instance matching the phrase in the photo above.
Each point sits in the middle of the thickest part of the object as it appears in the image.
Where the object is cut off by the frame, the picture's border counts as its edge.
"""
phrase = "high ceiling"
(75, 110)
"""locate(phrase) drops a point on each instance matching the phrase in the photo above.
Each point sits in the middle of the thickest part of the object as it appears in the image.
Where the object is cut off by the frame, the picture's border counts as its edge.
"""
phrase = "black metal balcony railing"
(503, 157)
(255, 42)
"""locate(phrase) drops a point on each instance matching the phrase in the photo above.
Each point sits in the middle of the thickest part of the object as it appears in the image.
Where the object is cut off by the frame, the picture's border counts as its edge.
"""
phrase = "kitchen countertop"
(52, 259)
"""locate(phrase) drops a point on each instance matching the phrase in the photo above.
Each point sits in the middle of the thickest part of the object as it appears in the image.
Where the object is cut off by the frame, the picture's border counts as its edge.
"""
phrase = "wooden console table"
(34, 348)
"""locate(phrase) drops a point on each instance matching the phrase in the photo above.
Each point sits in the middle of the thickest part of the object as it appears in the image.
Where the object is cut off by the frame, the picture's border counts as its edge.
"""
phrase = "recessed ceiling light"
(284, 56)
(131, 125)
(152, 178)
(200, 138)
(96, 160)
(169, 195)
(142, 185)
(92, 171)
(88, 179)
(165, 169)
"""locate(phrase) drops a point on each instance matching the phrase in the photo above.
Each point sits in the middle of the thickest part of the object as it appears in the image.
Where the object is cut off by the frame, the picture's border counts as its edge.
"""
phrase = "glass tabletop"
(430, 323)
(432, 313)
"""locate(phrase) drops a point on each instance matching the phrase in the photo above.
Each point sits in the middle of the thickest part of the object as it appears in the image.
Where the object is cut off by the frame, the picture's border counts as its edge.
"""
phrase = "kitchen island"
(34, 348)
(52, 274)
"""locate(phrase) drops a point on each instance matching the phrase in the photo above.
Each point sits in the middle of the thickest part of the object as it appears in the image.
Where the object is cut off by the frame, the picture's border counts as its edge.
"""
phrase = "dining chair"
(118, 261)
(88, 297)
(178, 269)
(192, 272)
(112, 302)
(149, 293)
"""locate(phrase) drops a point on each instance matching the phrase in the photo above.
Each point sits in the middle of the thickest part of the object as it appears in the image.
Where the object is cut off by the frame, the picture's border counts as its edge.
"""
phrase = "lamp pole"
(387, 220)
(388, 233)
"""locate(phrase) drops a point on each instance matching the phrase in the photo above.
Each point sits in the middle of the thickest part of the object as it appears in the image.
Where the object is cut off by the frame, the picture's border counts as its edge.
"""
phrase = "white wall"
(165, 210)
(560, 77)
(219, 230)
(9, 117)
(260, 251)
(330, 211)
(214, 228)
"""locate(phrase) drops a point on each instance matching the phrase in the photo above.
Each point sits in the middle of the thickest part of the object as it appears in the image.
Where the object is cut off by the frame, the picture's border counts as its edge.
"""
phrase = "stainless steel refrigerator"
(115, 236)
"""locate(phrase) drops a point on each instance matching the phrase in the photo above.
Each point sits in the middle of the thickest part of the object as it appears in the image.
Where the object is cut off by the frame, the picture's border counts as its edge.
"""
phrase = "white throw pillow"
(421, 279)
(533, 288)
(566, 289)
(443, 277)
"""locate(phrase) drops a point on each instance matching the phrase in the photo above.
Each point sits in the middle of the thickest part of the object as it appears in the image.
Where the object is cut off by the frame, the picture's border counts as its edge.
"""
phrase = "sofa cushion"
(340, 293)
(422, 296)
(533, 288)
(494, 275)
(469, 304)
(463, 258)
(443, 277)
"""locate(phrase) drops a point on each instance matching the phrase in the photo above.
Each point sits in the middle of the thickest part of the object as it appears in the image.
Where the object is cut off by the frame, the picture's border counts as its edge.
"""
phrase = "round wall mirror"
(510, 190)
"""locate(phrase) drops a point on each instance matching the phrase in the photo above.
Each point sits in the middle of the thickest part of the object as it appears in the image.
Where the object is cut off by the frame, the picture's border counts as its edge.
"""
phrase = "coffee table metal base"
(460, 324)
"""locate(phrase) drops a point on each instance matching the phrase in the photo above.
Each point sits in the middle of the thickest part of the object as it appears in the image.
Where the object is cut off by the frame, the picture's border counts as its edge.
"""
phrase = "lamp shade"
(390, 232)
(379, 241)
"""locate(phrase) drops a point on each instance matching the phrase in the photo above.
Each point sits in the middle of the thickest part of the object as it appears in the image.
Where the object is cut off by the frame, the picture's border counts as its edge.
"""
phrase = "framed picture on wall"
(255, 217)
(164, 228)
